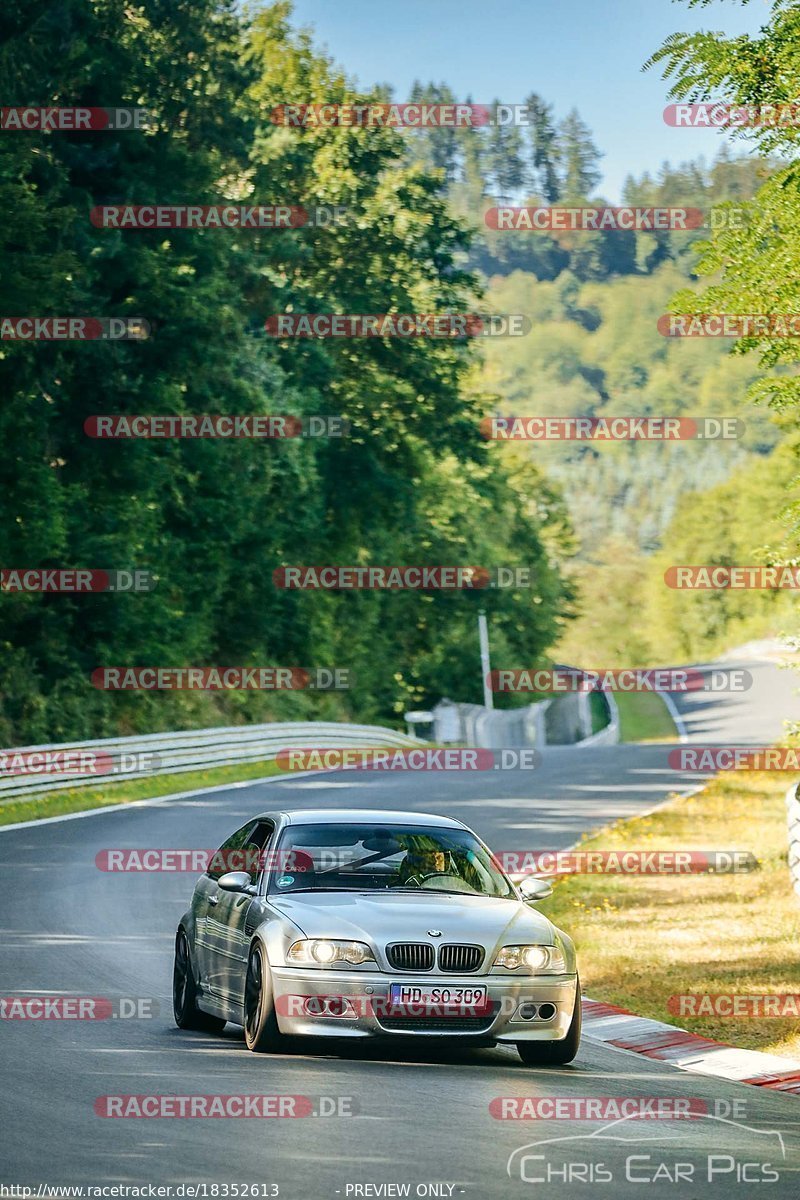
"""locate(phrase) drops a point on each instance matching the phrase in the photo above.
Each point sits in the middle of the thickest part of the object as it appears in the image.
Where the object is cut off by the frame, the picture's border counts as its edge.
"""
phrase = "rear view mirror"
(382, 845)
(532, 890)
(235, 881)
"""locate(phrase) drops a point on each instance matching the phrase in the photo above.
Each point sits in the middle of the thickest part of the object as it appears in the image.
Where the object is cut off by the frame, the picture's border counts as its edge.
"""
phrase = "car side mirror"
(533, 890)
(236, 881)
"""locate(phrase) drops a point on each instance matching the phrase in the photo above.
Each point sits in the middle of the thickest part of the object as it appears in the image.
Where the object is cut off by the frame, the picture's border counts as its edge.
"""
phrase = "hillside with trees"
(594, 349)
(413, 482)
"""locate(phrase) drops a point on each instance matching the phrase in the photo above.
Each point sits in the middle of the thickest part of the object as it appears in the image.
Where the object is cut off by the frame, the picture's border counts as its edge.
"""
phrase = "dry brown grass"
(642, 938)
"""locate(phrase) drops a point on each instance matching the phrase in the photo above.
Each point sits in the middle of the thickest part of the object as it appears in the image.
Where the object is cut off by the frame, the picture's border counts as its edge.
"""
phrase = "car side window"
(223, 860)
(257, 843)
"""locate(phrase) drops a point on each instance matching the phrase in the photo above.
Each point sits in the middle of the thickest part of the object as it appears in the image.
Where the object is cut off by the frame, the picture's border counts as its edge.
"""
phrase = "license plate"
(412, 995)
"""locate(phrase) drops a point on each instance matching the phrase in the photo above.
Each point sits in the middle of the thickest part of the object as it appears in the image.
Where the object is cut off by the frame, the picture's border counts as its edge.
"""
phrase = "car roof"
(364, 816)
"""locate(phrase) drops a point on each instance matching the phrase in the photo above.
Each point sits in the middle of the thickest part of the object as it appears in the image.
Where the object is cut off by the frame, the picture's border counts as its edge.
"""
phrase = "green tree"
(578, 158)
(436, 148)
(544, 148)
(505, 159)
(178, 508)
(753, 254)
(421, 484)
(412, 483)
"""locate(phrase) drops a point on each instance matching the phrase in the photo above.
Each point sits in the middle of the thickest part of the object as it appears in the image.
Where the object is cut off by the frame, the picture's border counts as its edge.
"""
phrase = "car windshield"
(359, 858)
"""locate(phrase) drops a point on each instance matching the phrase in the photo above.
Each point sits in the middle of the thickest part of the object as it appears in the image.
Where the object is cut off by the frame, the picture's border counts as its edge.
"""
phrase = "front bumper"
(299, 997)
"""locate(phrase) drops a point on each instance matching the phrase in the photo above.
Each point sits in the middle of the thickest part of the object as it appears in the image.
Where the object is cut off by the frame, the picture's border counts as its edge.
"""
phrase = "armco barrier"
(793, 820)
(474, 725)
(563, 720)
(198, 749)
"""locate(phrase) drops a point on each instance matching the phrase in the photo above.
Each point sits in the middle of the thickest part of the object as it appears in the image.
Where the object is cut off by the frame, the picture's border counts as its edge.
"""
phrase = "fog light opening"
(328, 1006)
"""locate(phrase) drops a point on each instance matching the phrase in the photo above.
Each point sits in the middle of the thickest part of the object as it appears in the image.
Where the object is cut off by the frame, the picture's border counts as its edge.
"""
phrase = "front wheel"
(261, 1033)
(553, 1054)
(184, 992)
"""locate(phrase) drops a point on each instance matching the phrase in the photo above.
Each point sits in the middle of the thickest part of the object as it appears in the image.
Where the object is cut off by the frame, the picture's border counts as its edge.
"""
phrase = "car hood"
(383, 917)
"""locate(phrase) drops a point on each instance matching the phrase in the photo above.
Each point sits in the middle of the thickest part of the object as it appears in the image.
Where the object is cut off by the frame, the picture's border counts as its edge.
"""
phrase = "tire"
(184, 992)
(555, 1054)
(261, 1033)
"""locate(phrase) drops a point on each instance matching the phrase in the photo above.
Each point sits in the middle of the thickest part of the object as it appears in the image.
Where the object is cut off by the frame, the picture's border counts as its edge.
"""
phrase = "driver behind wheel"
(418, 864)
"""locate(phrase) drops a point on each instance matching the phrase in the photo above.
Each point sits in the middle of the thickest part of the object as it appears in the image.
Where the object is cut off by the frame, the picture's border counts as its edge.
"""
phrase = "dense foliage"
(412, 483)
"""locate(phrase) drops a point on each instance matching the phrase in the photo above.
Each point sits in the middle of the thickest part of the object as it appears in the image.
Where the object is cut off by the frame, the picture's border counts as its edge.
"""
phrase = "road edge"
(622, 1030)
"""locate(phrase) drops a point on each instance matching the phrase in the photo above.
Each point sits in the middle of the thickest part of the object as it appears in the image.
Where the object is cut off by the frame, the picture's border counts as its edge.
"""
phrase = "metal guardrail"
(493, 729)
(793, 821)
(190, 750)
(562, 720)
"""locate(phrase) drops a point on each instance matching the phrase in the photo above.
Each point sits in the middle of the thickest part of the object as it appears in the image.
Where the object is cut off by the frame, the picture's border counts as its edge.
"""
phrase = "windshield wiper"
(327, 888)
(444, 892)
(412, 891)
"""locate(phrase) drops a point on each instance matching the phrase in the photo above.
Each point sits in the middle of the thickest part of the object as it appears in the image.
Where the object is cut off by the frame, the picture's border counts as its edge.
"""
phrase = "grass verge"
(644, 717)
(598, 710)
(82, 798)
(78, 799)
(642, 939)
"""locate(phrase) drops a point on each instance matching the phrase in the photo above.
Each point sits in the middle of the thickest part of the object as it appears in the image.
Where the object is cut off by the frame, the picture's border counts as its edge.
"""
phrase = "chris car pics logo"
(629, 1151)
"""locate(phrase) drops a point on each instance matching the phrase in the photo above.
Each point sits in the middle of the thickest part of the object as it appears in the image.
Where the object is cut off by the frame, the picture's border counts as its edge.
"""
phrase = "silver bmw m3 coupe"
(349, 924)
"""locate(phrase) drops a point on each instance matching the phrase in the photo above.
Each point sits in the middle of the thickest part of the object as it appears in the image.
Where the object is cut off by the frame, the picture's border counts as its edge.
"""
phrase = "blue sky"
(586, 53)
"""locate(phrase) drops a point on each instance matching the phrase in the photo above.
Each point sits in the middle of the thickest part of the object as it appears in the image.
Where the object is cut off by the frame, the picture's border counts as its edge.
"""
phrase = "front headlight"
(532, 960)
(328, 952)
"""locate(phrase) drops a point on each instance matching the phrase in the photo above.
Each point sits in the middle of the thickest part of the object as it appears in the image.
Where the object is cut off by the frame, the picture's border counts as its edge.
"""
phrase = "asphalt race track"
(419, 1118)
